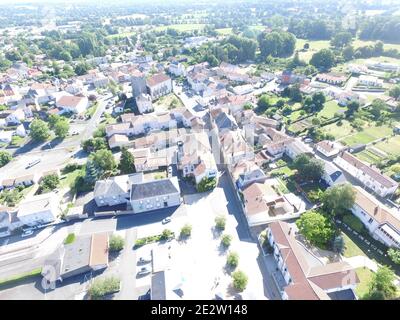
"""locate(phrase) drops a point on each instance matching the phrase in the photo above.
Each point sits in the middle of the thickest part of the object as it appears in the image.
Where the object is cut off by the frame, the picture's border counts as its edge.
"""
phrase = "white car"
(166, 220)
(170, 170)
(27, 233)
(145, 260)
(144, 271)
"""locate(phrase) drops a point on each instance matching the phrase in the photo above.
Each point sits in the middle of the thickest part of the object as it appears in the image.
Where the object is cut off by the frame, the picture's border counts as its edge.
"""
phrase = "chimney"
(290, 230)
(376, 210)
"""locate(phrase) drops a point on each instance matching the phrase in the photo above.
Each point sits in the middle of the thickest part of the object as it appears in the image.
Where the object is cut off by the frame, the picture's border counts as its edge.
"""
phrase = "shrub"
(101, 287)
(226, 240)
(166, 234)
(220, 222)
(116, 243)
(70, 238)
(186, 230)
(240, 280)
(233, 259)
(394, 255)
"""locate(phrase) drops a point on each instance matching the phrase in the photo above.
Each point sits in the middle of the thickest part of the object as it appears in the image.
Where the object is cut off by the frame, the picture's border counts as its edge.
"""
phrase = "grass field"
(314, 47)
(121, 35)
(367, 135)
(181, 27)
(330, 108)
(360, 43)
(339, 131)
(67, 180)
(365, 276)
(224, 31)
(351, 249)
(391, 146)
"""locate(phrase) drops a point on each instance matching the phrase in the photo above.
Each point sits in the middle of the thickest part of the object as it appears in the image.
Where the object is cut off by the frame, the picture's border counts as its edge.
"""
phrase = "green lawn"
(224, 31)
(20, 277)
(339, 131)
(314, 47)
(69, 178)
(330, 108)
(181, 27)
(365, 275)
(351, 249)
(361, 43)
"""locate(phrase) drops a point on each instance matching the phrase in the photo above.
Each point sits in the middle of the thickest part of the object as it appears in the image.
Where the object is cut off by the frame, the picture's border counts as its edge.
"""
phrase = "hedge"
(353, 222)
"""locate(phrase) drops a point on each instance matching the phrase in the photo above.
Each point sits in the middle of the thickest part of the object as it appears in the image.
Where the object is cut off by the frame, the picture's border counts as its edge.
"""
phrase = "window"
(370, 220)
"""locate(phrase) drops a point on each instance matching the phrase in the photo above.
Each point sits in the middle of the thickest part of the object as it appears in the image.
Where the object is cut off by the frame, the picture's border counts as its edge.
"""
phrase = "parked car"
(166, 220)
(27, 233)
(31, 164)
(145, 260)
(169, 169)
(143, 271)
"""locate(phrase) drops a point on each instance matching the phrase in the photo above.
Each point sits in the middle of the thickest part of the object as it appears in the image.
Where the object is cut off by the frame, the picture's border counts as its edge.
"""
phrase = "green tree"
(308, 168)
(395, 91)
(339, 199)
(186, 231)
(61, 128)
(382, 285)
(117, 243)
(127, 162)
(49, 183)
(352, 107)
(341, 39)
(52, 120)
(39, 130)
(316, 228)
(166, 234)
(338, 244)
(263, 102)
(232, 259)
(92, 172)
(226, 240)
(220, 222)
(394, 255)
(240, 280)
(276, 44)
(102, 286)
(348, 53)
(5, 158)
(207, 184)
(103, 160)
(94, 144)
(323, 59)
(376, 109)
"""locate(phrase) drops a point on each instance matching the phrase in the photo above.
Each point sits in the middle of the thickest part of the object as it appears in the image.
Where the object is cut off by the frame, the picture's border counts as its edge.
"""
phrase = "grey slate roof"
(158, 291)
(225, 121)
(153, 189)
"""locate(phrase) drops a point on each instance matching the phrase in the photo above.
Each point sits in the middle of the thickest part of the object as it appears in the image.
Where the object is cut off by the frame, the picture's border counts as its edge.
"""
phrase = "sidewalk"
(361, 261)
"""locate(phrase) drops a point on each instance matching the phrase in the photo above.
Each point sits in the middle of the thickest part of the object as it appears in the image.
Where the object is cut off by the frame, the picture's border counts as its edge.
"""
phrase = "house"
(39, 209)
(138, 82)
(144, 103)
(145, 160)
(383, 66)
(124, 128)
(5, 221)
(119, 107)
(155, 194)
(26, 180)
(195, 158)
(20, 131)
(100, 81)
(247, 172)
(262, 204)
(112, 191)
(192, 42)
(177, 69)
(234, 147)
(367, 175)
(332, 78)
(332, 174)
(303, 280)
(87, 253)
(329, 149)
(370, 81)
(74, 104)
(159, 85)
(382, 222)
(297, 147)
(288, 77)
(225, 122)
(6, 136)
(15, 117)
(118, 141)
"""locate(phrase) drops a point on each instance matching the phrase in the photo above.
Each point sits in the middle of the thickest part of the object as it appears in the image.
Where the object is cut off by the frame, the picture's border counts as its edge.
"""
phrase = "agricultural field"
(314, 47)
(224, 31)
(181, 27)
(367, 135)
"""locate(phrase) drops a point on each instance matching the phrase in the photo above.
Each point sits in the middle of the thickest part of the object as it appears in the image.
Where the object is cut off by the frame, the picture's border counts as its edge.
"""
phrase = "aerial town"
(213, 150)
